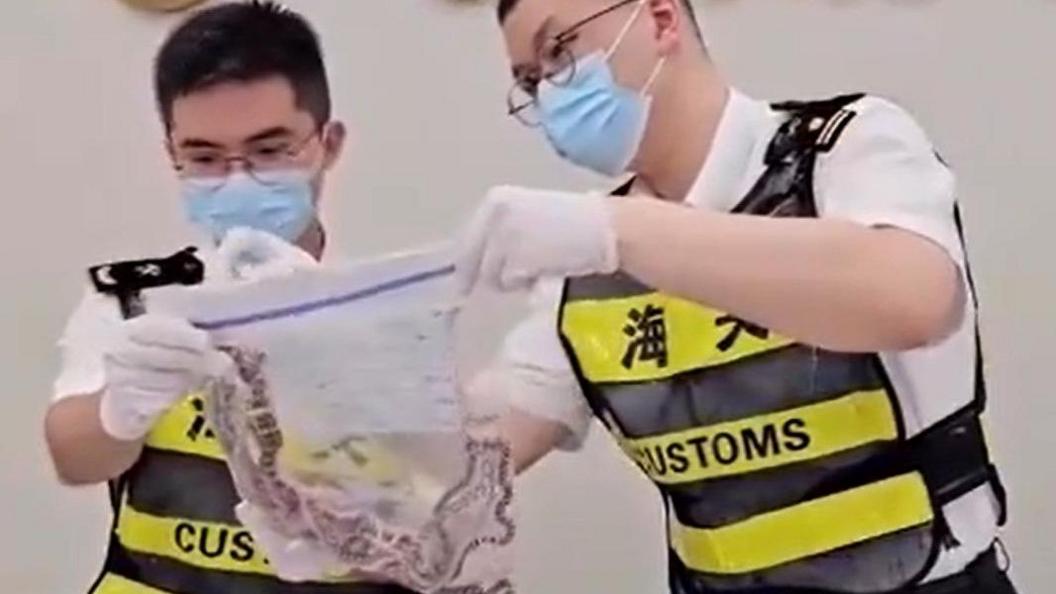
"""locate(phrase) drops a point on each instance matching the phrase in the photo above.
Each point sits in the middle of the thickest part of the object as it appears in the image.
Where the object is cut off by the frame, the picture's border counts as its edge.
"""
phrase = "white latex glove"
(519, 236)
(154, 362)
(252, 255)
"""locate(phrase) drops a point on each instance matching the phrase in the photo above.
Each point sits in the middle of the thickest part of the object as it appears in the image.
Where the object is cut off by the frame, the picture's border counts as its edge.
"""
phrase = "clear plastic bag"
(348, 444)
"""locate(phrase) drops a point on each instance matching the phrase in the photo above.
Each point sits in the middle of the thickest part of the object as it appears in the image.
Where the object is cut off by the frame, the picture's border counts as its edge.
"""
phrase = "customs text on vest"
(781, 465)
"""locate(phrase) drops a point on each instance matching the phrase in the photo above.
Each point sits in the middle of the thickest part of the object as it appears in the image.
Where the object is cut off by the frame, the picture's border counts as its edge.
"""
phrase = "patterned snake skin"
(471, 519)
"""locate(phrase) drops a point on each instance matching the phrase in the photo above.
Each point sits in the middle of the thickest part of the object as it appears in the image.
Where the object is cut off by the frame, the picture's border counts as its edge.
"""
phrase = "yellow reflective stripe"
(184, 429)
(595, 329)
(807, 529)
(766, 441)
(207, 545)
(115, 584)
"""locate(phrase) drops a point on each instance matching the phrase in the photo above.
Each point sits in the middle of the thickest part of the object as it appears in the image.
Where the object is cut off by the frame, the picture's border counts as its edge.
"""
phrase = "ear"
(334, 136)
(667, 22)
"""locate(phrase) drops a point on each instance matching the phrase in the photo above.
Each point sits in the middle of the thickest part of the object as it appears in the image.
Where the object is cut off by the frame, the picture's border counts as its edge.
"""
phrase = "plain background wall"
(422, 85)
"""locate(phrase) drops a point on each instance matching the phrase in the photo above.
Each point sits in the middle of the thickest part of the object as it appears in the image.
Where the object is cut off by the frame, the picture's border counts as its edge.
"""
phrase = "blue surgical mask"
(280, 203)
(592, 121)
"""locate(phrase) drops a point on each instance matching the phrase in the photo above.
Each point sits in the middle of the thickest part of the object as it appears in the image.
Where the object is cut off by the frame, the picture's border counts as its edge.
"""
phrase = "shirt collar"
(744, 129)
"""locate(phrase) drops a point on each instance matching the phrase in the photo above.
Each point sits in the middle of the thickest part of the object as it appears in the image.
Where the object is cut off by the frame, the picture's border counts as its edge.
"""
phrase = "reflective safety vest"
(780, 464)
(175, 530)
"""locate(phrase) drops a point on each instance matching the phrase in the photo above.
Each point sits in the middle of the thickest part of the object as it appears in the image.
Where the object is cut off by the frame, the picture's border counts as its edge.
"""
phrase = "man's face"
(530, 29)
(257, 120)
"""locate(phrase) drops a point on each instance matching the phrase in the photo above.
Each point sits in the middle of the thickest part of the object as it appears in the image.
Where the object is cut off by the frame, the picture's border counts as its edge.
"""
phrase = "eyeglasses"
(208, 165)
(555, 63)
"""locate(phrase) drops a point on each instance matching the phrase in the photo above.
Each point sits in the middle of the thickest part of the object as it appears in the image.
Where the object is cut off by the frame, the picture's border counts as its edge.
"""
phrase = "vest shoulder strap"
(812, 126)
(786, 187)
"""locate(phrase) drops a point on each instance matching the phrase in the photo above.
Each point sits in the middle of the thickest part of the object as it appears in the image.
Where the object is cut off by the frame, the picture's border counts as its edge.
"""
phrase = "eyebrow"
(196, 143)
(268, 134)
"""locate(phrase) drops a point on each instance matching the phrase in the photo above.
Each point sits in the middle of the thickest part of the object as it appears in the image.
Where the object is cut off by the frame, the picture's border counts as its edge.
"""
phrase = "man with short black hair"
(773, 317)
(243, 94)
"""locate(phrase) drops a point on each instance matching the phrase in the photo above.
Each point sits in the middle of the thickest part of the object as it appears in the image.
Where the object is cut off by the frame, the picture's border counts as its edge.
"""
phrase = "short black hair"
(242, 42)
(505, 7)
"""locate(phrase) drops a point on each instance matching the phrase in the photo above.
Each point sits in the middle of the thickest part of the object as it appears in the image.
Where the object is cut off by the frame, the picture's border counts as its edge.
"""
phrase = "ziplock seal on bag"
(347, 441)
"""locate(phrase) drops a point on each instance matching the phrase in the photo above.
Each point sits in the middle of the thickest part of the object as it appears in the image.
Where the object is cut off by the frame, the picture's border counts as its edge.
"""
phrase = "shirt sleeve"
(538, 375)
(92, 326)
(884, 171)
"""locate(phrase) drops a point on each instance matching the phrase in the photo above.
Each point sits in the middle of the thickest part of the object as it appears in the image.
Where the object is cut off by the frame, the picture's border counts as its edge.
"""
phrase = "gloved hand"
(251, 255)
(156, 361)
(519, 235)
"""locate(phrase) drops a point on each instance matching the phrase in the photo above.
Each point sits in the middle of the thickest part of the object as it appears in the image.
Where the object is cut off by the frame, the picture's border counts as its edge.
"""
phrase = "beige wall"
(84, 179)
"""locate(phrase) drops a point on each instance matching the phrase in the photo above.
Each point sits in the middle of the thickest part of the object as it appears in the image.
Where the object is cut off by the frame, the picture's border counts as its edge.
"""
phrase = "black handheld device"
(127, 280)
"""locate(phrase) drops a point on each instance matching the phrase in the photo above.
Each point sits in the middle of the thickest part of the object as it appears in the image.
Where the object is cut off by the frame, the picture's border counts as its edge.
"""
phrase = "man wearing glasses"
(242, 91)
(773, 317)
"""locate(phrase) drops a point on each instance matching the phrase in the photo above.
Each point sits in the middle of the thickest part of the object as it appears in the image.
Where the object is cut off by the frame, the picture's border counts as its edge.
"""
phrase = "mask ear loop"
(325, 133)
(623, 34)
(625, 30)
(317, 169)
(652, 77)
